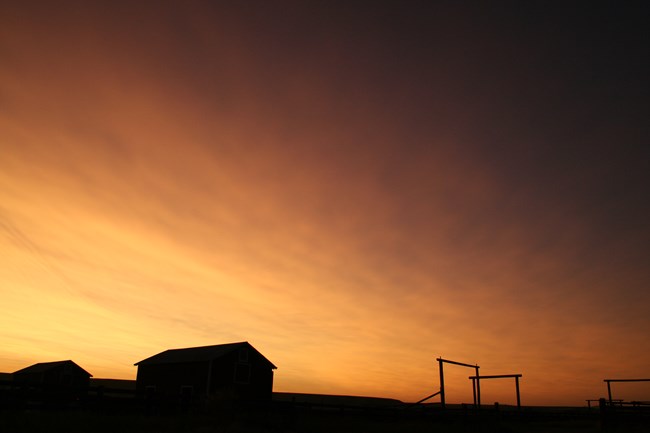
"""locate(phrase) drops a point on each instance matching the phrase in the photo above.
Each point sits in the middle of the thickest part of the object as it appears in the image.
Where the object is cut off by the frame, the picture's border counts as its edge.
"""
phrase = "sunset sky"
(355, 188)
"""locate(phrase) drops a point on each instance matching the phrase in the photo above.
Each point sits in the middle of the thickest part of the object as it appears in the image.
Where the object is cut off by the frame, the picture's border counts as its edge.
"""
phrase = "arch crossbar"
(609, 387)
(476, 390)
(476, 380)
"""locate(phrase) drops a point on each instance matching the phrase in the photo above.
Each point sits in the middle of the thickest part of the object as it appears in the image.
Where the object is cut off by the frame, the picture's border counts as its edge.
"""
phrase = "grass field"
(286, 418)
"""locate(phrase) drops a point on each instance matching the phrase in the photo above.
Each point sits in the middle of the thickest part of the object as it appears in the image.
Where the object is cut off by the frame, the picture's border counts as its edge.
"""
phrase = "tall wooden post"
(442, 384)
(474, 391)
(609, 392)
(517, 387)
(478, 389)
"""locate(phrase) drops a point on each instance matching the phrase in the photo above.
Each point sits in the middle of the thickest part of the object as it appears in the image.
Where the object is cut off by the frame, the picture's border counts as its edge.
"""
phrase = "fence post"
(609, 391)
(478, 388)
(518, 396)
(474, 391)
(442, 384)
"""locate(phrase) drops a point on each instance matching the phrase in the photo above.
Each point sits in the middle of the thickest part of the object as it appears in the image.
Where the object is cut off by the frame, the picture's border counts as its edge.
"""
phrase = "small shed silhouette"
(58, 374)
(53, 380)
(235, 371)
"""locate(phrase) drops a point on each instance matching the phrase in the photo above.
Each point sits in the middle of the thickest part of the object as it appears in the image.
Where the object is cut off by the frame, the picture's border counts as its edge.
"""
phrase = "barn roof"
(46, 366)
(198, 354)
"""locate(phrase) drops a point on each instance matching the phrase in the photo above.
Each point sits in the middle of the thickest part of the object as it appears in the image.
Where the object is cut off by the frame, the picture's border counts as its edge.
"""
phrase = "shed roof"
(198, 354)
(46, 366)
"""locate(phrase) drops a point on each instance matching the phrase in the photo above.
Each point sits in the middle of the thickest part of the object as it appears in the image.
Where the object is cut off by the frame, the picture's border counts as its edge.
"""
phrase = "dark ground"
(287, 418)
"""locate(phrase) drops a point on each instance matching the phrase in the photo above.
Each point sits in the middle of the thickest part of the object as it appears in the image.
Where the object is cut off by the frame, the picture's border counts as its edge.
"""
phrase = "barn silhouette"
(234, 371)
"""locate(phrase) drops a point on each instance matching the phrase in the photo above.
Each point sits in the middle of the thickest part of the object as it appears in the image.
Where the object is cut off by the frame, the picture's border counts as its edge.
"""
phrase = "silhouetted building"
(61, 380)
(60, 374)
(235, 371)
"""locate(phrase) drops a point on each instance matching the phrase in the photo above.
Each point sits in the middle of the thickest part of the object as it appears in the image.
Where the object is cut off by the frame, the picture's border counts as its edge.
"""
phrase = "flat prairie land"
(291, 419)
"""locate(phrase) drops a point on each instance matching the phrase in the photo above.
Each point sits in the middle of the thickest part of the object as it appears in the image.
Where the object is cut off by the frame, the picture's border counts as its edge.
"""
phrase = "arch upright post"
(442, 383)
(478, 390)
